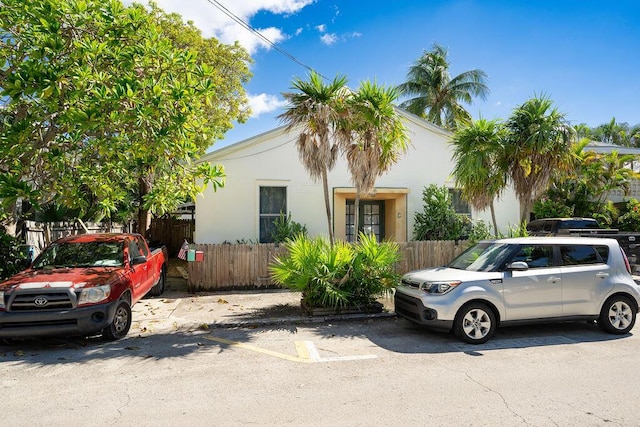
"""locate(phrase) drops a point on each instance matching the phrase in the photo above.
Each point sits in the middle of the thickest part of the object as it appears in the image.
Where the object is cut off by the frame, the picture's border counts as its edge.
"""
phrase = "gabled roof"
(258, 139)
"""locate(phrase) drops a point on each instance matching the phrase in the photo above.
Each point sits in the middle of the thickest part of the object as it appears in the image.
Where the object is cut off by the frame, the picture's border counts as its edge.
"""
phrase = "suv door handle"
(602, 275)
(553, 279)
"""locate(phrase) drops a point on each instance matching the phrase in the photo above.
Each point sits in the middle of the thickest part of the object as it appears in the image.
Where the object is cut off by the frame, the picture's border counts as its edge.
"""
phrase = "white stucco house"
(264, 176)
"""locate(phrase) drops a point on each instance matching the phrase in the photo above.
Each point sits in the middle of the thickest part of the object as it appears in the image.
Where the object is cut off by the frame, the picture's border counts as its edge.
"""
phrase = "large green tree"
(372, 137)
(314, 110)
(438, 97)
(538, 145)
(112, 102)
(479, 171)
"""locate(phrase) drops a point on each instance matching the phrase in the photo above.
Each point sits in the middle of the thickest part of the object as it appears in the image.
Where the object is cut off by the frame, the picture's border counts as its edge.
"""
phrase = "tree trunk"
(356, 218)
(143, 214)
(325, 186)
(493, 219)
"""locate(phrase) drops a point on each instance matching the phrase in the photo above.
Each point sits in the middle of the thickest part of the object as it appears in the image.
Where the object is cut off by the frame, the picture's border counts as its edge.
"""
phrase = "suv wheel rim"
(620, 315)
(476, 324)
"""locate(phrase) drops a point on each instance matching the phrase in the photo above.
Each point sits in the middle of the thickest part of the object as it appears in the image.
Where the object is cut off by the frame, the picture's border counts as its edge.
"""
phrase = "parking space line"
(306, 350)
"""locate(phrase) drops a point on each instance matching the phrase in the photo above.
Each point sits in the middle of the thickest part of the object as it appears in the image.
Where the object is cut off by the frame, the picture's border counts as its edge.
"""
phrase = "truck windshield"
(484, 256)
(85, 254)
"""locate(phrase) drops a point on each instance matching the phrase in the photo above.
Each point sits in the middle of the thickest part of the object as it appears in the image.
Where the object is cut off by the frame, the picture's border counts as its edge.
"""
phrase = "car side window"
(141, 246)
(134, 250)
(536, 256)
(579, 255)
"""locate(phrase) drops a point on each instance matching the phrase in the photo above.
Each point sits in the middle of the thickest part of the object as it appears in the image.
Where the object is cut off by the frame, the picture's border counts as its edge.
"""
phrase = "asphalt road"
(375, 373)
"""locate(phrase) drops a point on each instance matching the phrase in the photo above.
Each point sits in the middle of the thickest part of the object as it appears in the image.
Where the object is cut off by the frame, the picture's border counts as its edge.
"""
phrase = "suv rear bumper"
(413, 309)
(75, 322)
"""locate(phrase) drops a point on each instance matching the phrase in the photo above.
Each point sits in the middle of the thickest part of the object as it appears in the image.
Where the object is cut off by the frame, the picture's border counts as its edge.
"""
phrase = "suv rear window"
(583, 254)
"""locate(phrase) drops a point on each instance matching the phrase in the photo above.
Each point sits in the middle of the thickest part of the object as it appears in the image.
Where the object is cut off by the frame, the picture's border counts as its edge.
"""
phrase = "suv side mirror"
(518, 266)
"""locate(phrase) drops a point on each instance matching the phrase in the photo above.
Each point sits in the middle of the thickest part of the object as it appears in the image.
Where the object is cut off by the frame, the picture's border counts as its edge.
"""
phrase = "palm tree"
(478, 172)
(372, 136)
(315, 109)
(435, 95)
(538, 144)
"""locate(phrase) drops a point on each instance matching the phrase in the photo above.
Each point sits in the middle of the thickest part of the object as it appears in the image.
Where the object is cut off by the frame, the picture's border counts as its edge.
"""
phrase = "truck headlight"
(439, 288)
(94, 294)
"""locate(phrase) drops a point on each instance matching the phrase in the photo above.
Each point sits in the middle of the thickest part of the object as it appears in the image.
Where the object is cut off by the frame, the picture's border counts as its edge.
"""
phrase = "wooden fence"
(171, 232)
(227, 266)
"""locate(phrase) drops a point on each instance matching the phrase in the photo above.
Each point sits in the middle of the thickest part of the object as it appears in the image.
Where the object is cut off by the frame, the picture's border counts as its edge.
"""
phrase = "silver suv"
(523, 280)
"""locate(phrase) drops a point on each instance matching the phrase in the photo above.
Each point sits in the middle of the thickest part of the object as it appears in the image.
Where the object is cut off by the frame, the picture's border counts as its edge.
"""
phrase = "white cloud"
(329, 38)
(265, 103)
(322, 28)
(214, 22)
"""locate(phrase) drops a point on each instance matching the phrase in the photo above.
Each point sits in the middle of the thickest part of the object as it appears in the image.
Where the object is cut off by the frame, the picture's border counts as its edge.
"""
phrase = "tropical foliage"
(106, 105)
(583, 190)
(314, 109)
(372, 137)
(438, 219)
(477, 152)
(537, 146)
(337, 276)
(285, 228)
(13, 255)
(438, 97)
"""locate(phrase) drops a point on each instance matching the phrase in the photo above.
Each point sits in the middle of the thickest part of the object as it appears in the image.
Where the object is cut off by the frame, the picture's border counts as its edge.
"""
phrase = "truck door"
(139, 273)
(537, 292)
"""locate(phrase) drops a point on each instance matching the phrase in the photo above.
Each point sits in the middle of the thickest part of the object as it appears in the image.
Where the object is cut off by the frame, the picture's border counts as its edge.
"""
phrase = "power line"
(245, 25)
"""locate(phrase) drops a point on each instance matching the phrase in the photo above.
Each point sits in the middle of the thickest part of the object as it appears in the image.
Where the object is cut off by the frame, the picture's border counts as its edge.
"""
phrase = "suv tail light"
(626, 261)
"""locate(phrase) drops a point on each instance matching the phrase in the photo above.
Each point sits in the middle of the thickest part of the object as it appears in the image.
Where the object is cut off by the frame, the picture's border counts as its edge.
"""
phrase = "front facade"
(266, 177)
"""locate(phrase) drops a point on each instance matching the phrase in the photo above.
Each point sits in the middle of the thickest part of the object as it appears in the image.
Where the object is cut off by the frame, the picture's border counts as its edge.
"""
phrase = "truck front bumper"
(81, 321)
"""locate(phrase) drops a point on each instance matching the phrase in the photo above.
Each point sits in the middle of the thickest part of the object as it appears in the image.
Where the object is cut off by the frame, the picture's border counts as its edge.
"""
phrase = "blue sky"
(583, 55)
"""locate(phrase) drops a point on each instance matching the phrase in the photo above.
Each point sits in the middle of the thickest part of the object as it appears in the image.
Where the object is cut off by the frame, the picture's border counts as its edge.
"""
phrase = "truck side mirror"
(140, 259)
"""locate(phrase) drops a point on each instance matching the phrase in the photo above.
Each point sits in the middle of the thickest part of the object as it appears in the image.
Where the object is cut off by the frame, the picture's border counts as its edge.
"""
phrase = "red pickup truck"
(82, 285)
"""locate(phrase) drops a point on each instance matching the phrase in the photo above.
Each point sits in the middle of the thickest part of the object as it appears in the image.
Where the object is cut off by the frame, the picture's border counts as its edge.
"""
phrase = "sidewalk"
(178, 310)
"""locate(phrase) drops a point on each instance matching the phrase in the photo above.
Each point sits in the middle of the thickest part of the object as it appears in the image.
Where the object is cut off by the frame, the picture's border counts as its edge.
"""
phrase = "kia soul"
(523, 280)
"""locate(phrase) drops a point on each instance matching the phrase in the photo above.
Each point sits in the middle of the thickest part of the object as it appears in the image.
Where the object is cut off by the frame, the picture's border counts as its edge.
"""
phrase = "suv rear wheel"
(617, 315)
(475, 323)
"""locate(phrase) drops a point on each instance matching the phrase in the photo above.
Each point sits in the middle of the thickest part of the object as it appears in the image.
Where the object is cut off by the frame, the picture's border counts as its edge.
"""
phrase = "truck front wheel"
(121, 323)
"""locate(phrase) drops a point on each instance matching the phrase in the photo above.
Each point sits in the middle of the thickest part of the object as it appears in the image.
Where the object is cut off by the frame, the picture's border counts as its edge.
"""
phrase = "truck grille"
(39, 301)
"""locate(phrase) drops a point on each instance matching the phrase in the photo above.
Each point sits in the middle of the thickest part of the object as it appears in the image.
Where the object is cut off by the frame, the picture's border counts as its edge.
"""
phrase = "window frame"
(272, 216)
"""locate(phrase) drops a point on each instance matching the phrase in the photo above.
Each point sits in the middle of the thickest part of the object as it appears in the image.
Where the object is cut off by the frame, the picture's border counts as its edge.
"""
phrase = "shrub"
(336, 276)
(550, 207)
(13, 255)
(629, 219)
(438, 220)
(285, 228)
(480, 230)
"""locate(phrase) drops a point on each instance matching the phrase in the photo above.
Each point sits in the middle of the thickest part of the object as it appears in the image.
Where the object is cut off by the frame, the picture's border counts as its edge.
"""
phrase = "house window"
(273, 201)
(459, 204)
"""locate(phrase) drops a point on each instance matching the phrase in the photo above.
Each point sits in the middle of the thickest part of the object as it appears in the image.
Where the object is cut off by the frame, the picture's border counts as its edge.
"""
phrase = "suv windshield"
(484, 256)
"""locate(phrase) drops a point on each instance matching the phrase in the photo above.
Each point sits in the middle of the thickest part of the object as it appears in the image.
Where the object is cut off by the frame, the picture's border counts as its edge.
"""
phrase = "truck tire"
(121, 323)
(617, 315)
(158, 289)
